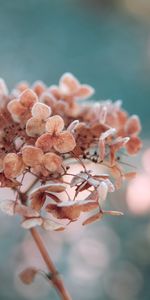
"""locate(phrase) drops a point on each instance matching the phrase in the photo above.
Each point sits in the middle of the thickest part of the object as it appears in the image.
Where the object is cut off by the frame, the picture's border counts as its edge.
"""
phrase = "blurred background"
(105, 43)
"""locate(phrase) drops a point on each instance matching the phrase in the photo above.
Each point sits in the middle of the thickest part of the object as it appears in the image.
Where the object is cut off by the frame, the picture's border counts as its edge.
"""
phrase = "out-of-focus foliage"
(106, 44)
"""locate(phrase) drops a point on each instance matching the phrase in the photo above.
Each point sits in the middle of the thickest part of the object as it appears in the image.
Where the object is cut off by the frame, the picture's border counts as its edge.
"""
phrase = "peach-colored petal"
(50, 187)
(13, 165)
(54, 124)
(48, 99)
(134, 145)
(45, 142)
(52, 225)
(22, 86)
(35, 127)
(54, 90)
(68, 84)
(28, 98)
(41, 111)
(85, 91)
(93, 218)
(16, 109)
(102, 191)
(133, 125)
(32, 156)
(27, 276)
(65, 142)
(52, 162)
(39, 87)
(25, 211)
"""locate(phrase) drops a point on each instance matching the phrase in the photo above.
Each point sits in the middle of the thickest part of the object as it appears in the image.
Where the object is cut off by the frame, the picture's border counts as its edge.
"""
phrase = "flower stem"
(55, 277)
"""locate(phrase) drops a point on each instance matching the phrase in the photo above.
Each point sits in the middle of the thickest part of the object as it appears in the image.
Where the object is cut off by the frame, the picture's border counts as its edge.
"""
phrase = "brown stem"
(56, 279)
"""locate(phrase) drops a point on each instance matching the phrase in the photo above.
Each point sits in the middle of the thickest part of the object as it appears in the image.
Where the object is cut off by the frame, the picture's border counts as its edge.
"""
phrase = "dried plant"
(43, 131)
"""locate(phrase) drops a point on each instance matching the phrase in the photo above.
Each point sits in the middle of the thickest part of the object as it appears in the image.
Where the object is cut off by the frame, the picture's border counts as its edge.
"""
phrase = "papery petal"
(25, 211)
(112, 213)
(68, 84)
(133, 125)
(48, 99)
(22, 86)
(85, 91)
(72, 126)
(65, 142)
(54, 90)
(50, 187)
(45, 142)
(54, 125)
(13, 165)
(134, 145)
(32, 156)
(110, 185)
(16, 109)
(52, 225)
(38, 87)
(32, 222)
(93, 218)
(103, 191)
(28, 98)
(35, 127)
(41, 111)
(27, 276)
(37, 200)
(52, 162)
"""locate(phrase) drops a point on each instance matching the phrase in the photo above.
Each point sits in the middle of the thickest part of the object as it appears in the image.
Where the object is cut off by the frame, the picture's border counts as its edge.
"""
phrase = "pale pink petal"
(27, 276)
(72, 126)
(22, 86)
(55, 124)
(133, 125)
(48, 99)
(13, 165)
(102, 191)
(28, 98)
(52, 162)
(52, 225)
(93, 218)
(134, 145)
(32, 222)
(45, 142)
(85, 91)
(25, 211)
(50, 187)
(113, 213)
(16, 109)
(65, 142)
(68, 84)
(35, 127)
(32, 156)
(39, 87)
(41, 111)
(54, 90)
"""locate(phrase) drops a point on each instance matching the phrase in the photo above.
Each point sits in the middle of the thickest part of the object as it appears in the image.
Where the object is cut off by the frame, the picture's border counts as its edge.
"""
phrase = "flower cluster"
(73, 152)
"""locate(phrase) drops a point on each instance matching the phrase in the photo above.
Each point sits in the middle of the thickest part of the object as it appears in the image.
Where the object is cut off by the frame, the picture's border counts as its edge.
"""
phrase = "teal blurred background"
(107, 45)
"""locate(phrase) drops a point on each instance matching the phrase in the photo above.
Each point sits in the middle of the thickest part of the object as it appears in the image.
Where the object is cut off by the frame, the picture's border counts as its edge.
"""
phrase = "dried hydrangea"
(44, 130)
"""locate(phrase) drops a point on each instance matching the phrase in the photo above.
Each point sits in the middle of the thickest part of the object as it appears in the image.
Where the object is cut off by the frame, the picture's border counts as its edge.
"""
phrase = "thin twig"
(55, 277)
